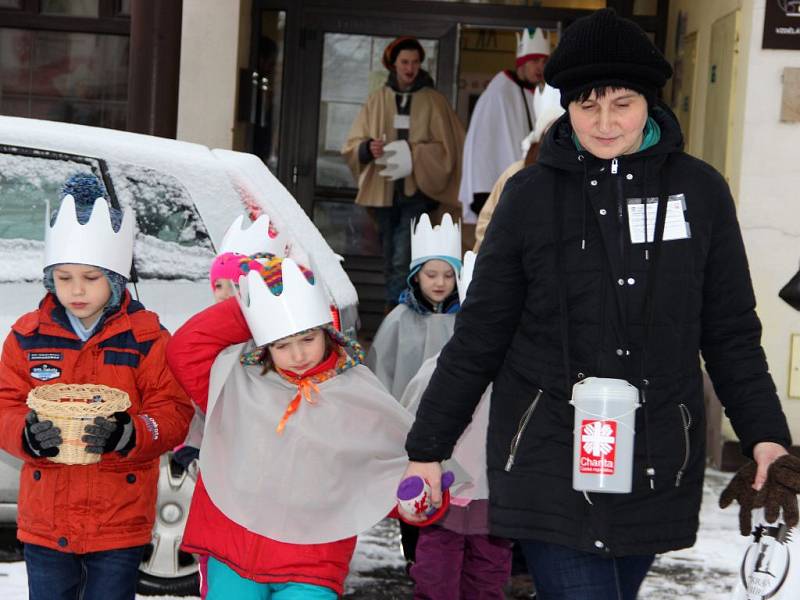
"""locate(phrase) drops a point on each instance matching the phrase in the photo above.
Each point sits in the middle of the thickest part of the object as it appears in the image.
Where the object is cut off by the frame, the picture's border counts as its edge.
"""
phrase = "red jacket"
(190, 353)
(110, 504)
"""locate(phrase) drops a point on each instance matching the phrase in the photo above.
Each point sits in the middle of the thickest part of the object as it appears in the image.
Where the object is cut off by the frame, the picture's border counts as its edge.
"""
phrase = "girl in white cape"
(302, 448)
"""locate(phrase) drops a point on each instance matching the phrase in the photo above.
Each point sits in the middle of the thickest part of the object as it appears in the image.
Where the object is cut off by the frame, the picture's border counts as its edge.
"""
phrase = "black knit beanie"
(601, 50)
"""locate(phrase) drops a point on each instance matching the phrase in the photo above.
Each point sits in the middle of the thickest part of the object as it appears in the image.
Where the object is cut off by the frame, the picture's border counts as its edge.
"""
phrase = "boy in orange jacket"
(85, 526)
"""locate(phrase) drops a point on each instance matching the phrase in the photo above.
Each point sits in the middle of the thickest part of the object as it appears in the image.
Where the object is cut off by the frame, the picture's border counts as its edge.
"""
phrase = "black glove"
(185, 456)
(478, 200)
(39, 438)
(741, 489)
(781, 489)
(108, 435)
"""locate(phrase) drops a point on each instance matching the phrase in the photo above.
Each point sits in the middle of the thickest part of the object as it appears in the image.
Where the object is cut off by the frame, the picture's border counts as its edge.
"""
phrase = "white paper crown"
(429, 242)
(252, 239)
(93, 243)
(300, 306)
(465, 276)
(528, 44)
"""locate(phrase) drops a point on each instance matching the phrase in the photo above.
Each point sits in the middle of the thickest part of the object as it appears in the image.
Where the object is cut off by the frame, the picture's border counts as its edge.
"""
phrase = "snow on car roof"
(192, 164)
(210, 178)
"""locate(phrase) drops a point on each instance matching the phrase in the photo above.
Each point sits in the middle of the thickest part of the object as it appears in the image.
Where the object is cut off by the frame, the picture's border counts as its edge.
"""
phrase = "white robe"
(330, 475)
(469, 455)
(496, 130)
(404, 341)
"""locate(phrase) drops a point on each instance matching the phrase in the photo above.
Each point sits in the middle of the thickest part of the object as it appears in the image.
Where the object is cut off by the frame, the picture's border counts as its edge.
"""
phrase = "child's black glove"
(185, 456)
(39, 438)
(107, 435)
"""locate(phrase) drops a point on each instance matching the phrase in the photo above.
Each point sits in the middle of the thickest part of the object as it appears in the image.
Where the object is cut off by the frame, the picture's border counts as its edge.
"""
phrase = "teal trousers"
(226, 584)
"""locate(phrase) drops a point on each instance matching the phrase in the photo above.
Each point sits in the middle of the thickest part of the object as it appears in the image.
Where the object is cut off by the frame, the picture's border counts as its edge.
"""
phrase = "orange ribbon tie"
(304, 389)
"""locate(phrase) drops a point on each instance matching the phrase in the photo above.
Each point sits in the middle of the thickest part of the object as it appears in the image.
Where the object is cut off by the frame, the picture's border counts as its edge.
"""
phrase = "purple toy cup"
(414, 494)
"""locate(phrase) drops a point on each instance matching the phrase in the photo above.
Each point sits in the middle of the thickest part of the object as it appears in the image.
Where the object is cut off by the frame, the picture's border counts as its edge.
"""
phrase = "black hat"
(603, 49)
(405, 42)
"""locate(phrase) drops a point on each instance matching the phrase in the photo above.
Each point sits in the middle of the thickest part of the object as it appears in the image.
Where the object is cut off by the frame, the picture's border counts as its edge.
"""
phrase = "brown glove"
(781, 489)
(741, 489)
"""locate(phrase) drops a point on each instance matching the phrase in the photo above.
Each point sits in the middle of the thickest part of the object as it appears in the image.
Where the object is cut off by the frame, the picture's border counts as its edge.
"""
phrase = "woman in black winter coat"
(570, 284)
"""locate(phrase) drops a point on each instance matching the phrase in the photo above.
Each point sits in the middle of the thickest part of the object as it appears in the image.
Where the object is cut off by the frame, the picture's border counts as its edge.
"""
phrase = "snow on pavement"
(705, 572)
(709, 569)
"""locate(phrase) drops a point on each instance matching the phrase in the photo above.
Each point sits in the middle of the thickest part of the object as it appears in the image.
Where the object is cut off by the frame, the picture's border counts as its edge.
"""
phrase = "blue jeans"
(561, 573)
(394, 227)
(107, 575)
(224, 584)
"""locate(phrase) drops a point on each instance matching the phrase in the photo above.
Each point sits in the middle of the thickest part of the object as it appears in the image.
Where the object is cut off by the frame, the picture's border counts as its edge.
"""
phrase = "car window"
(172, 241)
(26, 183)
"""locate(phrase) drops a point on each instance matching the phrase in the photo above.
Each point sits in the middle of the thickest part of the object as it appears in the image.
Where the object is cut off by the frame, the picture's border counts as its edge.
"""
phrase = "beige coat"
(491, 202)
(436, 137)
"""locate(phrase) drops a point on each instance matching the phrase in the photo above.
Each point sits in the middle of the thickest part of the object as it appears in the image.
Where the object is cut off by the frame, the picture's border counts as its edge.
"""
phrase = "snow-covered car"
(184, 196)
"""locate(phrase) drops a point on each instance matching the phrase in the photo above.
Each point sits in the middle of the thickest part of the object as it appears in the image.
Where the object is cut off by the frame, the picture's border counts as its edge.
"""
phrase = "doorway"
(327, 62)
(719, 99)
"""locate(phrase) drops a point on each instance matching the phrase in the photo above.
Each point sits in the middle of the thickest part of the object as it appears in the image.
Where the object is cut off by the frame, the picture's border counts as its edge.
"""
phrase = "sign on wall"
(782, 25)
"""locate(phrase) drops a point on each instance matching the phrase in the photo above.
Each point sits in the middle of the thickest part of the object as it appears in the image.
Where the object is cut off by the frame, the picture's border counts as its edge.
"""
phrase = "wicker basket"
(71, 407)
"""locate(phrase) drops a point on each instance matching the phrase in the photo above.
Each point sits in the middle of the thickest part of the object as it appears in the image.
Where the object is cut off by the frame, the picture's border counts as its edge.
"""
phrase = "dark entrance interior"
(313, 63)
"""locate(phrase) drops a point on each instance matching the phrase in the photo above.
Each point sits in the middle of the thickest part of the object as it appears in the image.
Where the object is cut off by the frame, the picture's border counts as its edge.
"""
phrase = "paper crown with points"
(532, 45)
(465, 276)
(300, 305)
(95, 242)
(429, 242)
(253, 238)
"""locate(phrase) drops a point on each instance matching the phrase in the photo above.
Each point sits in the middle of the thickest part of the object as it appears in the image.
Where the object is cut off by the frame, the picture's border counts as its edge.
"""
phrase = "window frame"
(30, 17)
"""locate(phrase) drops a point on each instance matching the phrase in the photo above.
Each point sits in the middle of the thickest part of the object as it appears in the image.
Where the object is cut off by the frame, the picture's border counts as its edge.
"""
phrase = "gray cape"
(404, 341)
(330, 475)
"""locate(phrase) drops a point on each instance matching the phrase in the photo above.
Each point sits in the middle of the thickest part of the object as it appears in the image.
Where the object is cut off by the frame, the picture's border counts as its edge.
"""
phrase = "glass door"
(351, 71)
(341, 60)
(348, 55)
(261, 86)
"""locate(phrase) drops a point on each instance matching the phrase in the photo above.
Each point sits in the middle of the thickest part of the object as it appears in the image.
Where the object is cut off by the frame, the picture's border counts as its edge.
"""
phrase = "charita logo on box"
(603, 435)
(598, 447)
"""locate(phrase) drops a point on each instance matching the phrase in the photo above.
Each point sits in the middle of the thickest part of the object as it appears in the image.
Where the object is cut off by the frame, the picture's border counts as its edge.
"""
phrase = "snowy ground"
(708, 570)
(705, 572)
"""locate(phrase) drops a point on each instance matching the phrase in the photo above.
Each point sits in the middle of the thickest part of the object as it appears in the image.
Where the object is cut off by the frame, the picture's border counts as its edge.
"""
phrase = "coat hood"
(558, 149)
